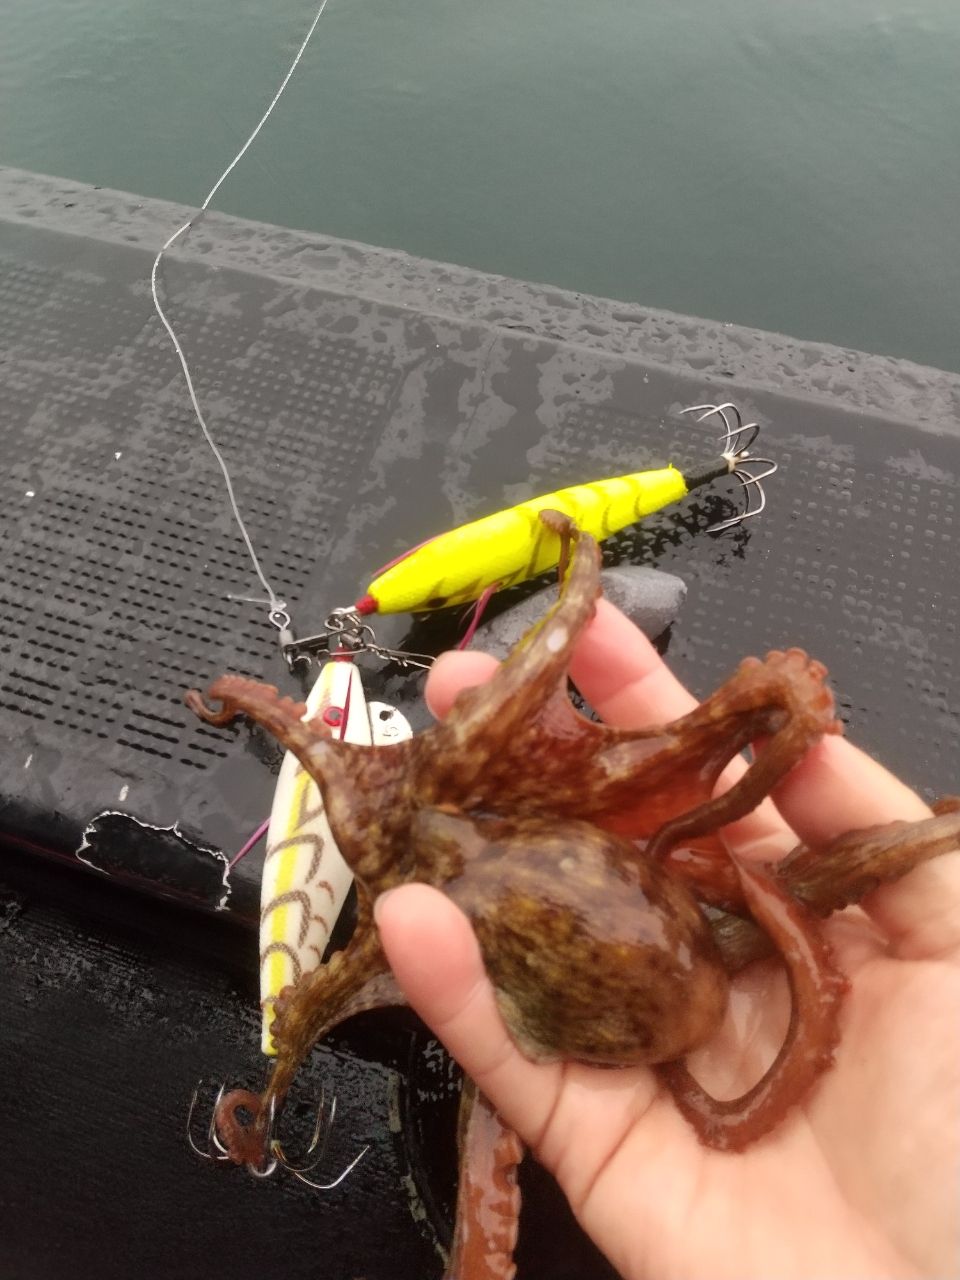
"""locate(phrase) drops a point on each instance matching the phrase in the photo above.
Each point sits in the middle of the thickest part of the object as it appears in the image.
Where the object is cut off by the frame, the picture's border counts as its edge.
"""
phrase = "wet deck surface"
(364, 400)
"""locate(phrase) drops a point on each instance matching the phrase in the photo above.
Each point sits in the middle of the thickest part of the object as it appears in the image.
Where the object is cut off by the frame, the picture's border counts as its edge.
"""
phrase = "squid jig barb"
(736, 442)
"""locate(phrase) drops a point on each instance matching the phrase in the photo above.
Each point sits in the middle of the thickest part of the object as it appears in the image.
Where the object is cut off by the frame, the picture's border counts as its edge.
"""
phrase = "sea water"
(794, 166)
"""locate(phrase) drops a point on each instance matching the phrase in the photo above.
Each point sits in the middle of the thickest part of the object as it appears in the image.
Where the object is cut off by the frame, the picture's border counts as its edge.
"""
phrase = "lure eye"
(333, 716)
(386, 713)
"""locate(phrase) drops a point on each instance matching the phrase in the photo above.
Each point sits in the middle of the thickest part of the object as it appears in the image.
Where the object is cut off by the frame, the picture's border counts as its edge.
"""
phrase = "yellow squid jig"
(469, 563)
(514, 545)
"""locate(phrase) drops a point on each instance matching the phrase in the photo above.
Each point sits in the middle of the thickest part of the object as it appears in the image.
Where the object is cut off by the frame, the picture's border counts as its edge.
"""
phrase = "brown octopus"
(609, 915)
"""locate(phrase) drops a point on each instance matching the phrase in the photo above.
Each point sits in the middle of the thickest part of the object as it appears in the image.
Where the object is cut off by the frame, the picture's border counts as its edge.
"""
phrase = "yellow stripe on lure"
(514, 545)
(305, 880)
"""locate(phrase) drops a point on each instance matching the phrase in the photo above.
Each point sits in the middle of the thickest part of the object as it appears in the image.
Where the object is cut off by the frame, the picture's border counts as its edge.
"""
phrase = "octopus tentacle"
(243, 1118)
(353, 981)
(705, 867)
(817, 988)
(238, 695)
(632, 782)
(487, 718)
(829, 877)
(357, 783)
(833, 876)
(245, 1139)
(784, 697)
(488, 1199)
(309, 740)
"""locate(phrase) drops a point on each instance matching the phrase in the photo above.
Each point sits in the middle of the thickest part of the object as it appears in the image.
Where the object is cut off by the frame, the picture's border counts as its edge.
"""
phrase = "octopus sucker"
(609, 913)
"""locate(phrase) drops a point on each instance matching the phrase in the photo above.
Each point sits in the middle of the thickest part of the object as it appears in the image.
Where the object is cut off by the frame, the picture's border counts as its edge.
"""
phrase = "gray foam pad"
(648, 597)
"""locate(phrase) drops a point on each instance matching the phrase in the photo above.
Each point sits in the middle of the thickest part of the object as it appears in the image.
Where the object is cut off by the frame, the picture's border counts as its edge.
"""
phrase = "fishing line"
(443, 570)
(278, 615)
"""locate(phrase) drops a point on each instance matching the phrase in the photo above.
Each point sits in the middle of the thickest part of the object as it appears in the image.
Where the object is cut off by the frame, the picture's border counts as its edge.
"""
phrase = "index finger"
(622, 675)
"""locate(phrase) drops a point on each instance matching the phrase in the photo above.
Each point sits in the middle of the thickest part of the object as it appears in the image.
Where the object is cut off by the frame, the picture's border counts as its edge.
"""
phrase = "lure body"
(305, 880)
(514, 545)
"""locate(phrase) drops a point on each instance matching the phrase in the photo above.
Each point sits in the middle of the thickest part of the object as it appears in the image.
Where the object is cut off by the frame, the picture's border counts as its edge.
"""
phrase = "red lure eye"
(333, 715)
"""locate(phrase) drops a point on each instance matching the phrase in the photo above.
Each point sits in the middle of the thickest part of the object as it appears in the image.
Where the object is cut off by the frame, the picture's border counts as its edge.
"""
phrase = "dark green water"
(790, 165)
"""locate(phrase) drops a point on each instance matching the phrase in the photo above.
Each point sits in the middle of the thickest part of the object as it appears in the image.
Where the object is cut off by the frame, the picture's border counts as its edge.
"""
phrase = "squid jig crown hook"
(736, 441)
(212, 1147)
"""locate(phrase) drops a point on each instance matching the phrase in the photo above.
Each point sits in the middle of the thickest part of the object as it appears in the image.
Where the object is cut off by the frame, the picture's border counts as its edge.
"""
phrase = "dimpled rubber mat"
(364, 400)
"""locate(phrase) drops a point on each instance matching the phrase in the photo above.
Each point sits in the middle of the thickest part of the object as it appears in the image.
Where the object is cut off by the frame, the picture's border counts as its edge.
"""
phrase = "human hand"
(861, 1180)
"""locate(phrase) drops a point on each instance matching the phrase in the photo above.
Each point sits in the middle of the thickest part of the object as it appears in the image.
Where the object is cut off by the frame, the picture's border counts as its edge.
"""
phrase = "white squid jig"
(305, 880)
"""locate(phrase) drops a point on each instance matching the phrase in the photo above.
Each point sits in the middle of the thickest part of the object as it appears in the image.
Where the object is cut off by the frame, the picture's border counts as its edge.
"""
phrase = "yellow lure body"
(514, 545)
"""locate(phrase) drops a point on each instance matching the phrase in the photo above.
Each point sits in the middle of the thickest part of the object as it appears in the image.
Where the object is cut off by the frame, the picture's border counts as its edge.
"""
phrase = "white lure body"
(305, 880)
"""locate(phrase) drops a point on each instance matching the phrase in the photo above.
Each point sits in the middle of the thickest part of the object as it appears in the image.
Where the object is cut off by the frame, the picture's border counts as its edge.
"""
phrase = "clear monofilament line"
(278, 614)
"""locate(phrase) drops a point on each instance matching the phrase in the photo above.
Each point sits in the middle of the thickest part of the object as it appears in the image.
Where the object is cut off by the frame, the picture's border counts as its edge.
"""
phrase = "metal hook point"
(329, 1186)
(319, 1138)
(214, 1149)
(708, 410)
(736, 443)
(321, 1132)
(747, 478)
(736, 440)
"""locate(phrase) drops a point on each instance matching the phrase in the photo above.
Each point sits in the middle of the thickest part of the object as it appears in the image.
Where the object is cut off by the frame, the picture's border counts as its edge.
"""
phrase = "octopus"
(609, 914)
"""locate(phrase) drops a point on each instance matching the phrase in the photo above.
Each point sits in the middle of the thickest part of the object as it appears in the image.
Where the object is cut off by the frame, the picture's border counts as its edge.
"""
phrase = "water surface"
(792, 166)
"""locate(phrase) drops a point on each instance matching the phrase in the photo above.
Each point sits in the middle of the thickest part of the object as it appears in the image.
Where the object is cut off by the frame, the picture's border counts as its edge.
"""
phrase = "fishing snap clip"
(344, 630)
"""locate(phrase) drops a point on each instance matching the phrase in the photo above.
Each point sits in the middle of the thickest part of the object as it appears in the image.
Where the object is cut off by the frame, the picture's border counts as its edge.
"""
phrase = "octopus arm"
(835, 875)
(488, 1198)
(353, 981)
(838, 874)
(494, 717)
(782, 700)
(817, 988)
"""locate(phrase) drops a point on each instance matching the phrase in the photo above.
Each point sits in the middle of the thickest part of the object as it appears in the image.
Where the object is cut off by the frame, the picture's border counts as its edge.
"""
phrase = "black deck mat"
(365, 400)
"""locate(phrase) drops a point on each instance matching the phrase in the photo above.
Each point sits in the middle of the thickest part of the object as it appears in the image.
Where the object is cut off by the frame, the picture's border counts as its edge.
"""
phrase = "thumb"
(437, 963)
